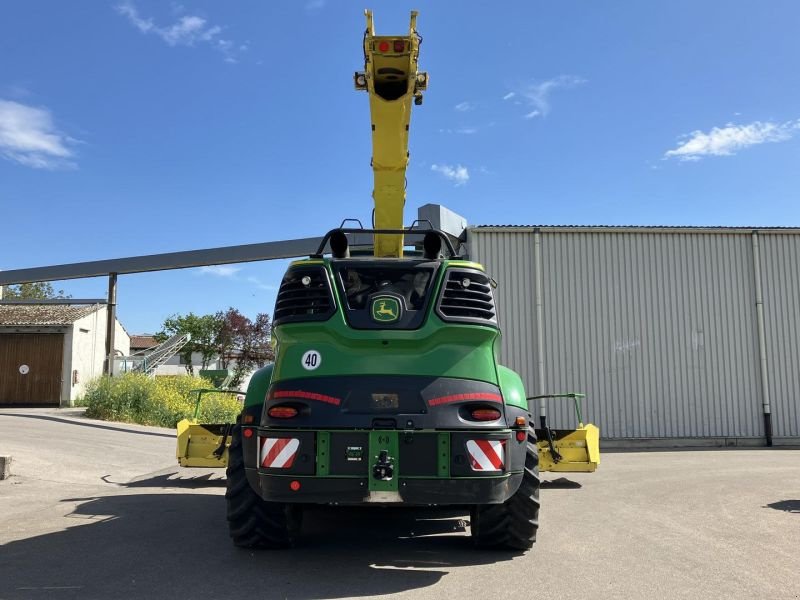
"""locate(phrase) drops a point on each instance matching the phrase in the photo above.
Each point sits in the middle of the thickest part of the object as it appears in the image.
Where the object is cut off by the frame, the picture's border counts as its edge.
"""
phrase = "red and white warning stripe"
(278, 453)
(486, 455)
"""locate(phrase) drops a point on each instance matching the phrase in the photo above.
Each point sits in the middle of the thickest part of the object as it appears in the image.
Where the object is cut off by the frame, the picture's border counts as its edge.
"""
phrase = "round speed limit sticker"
(311, 360)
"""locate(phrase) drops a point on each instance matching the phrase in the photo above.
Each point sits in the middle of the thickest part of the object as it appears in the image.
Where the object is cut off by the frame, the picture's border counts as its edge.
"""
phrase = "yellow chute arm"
(391, 78)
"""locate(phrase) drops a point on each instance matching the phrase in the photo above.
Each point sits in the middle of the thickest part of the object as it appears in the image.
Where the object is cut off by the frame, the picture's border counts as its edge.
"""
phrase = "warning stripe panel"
(278, 453)
(486, 455)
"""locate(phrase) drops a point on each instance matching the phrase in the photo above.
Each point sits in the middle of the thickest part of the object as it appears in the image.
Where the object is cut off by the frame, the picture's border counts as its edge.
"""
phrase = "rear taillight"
(282, 412)
(485, 414)
(399, 45)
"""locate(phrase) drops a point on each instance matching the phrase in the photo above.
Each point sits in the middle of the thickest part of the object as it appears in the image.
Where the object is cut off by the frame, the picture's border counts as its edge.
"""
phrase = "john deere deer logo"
(385, 309)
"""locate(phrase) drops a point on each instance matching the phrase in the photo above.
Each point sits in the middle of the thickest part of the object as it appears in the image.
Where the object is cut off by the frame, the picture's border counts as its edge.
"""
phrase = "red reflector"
(248, 433)
(282, 412)
(485, 414)
(306, 396)
(383, 46)
(294, 486)
(399, 45)
(521, 435)
(462, 397)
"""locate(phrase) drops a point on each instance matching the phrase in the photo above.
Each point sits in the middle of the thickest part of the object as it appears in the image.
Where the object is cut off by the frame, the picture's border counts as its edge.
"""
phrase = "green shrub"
(161, 401)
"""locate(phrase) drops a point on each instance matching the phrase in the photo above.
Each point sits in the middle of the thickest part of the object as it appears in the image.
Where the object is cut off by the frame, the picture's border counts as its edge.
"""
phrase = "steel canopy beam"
(163, 262)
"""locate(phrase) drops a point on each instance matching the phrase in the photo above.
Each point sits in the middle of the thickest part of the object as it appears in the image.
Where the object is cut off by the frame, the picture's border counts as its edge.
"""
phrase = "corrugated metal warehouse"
(672, 332)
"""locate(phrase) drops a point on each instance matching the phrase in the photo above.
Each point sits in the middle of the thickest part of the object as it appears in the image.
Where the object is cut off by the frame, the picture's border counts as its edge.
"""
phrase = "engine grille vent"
(467, 296)
(299, 301)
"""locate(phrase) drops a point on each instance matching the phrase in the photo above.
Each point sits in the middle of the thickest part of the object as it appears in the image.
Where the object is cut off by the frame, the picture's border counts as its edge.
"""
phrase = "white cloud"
(537, 94)
(464, 106)
(724, 141)
(460, 130)
(457, 174)
(233, 273)
(228, 271)
(29, 137)
(228, 49)
(188, 30)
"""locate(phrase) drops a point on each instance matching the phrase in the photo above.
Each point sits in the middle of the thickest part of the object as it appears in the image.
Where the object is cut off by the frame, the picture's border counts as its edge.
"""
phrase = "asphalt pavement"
(101, 510)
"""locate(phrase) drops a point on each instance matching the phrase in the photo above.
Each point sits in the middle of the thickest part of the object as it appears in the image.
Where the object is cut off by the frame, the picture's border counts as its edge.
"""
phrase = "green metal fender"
(512, 387)
(257, 389)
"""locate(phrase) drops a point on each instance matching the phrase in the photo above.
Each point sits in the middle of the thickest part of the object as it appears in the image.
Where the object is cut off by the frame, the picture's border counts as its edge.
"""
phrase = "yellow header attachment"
(391, 78)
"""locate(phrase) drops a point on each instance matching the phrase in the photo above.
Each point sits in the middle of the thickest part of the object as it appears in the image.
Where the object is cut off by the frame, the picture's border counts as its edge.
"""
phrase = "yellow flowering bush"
(160, 401)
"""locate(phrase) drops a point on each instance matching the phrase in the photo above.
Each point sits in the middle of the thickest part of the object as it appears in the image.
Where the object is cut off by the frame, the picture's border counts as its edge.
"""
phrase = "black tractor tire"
(513, 524)
(252, 522)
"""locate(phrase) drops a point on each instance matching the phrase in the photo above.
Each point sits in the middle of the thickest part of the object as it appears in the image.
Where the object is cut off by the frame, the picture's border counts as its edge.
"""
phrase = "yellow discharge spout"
(392, 79)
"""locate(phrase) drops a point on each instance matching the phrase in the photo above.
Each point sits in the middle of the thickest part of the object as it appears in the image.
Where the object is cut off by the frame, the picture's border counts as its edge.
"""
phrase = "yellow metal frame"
(196, 446)
(197, 442)
(393, 81)
(579, 450)
(567, 450)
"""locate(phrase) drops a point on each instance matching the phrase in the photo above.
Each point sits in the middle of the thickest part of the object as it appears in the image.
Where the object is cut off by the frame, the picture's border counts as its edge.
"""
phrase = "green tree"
(204, 331)
(42, 290)
(243, 343)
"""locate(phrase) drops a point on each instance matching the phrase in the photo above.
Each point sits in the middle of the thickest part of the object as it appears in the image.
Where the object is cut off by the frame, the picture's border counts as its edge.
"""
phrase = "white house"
(49, 351)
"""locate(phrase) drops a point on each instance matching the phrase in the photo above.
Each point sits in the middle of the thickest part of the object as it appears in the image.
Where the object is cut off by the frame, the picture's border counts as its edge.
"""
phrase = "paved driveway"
(99, 510)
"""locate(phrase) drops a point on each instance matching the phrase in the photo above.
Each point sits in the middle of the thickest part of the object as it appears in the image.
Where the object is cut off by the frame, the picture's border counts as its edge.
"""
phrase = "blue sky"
(137, 127)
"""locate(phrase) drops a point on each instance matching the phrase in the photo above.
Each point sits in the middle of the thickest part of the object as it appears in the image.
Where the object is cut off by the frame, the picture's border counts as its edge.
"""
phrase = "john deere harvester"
(386, 387)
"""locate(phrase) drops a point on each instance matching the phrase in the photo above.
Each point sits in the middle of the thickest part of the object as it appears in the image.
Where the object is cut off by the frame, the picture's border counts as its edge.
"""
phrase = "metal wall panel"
(508, 258)
(780, 282)
(658, 329)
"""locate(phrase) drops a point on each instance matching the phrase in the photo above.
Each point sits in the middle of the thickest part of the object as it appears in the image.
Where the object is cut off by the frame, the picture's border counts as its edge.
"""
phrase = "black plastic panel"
(466, 297)
(344, 451)
(385, 402)
(360, 283)
(418, 454)
(297, 302)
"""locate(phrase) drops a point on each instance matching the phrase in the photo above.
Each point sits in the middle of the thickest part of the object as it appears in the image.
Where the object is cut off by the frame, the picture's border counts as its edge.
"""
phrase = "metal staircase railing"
(148, 361)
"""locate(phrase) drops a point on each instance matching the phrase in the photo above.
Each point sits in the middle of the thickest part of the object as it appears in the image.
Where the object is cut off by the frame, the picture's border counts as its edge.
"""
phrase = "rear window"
(359, 283)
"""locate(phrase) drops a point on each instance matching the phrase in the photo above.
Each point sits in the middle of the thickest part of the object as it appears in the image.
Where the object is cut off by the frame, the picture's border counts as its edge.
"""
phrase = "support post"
(111, 320)
(762, 342)
(537, 264)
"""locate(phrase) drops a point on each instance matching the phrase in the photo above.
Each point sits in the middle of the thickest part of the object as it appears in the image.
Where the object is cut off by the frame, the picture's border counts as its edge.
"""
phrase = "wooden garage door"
(30, 368)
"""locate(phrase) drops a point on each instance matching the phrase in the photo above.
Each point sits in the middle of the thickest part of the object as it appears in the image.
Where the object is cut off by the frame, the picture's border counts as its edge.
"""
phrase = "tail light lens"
(282, 412)
(399, 46)
(485, 414)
